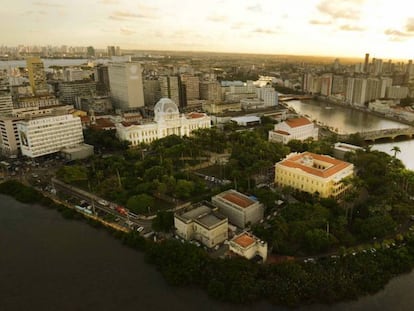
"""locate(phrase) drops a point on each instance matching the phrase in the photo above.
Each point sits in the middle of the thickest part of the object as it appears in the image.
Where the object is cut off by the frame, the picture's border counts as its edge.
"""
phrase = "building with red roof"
(248, 246)
(296, 128)
(311, 172)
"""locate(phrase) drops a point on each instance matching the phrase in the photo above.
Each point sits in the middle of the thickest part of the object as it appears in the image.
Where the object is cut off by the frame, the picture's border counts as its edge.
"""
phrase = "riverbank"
(240, 281)
(324, 99)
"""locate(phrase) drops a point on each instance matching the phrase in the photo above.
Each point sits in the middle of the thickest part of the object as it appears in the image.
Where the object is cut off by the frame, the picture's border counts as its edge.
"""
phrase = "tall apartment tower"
(366, 62)
(111, 51)
(360, 92)
(191, 86)
(171, 87)
(125, 80)
(101, 77)
(37, 75)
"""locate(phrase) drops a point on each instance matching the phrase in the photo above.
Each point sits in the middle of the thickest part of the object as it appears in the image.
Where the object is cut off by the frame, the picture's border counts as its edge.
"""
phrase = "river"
(347, 120)
(50, 263)
(50, 62)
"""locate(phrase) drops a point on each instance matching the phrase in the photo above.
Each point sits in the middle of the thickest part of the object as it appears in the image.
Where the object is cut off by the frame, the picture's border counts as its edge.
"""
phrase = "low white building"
(45, 135)
(248, 246)
(296, 128)
(202, 222)
(167, 121)
(340, 149)
(239, 208)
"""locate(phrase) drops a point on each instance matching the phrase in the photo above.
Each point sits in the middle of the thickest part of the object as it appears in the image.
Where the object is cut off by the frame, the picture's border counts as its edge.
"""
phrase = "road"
(130, 220)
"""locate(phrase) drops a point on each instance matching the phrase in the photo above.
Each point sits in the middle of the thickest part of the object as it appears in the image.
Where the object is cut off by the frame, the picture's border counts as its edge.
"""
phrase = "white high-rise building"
(6, 104)
(46, 135)
(385, 82)
(126, 85)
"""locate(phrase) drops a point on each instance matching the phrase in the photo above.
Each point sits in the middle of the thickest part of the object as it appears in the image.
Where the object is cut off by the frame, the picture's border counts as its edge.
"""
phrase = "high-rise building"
(338, 84)
(101, 76)
(46, 135)
(152, 92)
(326, 84)
(359, 95)
(171, 87)
(366, 62)
(69, 90)
(127, 90)
(111, 51)
(191, 86)
(90, 51)
(211, 91)
(384, 83)
(6, 104)
(373, 89)
(349, 90)
(37, 75)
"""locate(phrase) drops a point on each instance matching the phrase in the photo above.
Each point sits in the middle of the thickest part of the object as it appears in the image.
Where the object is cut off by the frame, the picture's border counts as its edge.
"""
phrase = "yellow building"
(310, 172)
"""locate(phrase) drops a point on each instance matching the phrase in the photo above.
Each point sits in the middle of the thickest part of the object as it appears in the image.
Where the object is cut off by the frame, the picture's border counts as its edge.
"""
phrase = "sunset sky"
(384, 28)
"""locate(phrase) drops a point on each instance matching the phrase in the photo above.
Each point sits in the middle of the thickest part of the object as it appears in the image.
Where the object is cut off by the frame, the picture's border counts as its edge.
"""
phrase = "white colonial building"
(297, 128)
(167, 121)
(202, 222)
(248, 246)
(46, 135)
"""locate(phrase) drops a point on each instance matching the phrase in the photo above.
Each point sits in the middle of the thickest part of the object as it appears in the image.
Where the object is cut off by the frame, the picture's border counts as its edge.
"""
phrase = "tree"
(140, 203)
(396, 150)
(163, 222)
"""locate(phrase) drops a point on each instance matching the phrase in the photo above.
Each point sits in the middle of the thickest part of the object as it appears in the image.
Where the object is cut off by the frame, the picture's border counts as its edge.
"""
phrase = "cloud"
(320, 22)
(265, 31)
(348, 27)
(126, 31)
(257, 8)
(340, 9)
(398, 35)
(123, 15)
(109, 1)
(47, 4)
(217, 18)
(409, 26)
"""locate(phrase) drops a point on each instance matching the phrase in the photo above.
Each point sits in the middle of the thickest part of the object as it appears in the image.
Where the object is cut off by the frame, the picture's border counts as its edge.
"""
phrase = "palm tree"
(396, 150)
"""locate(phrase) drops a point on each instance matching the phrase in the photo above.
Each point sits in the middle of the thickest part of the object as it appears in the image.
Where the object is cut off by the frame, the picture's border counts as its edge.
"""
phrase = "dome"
(165, 109)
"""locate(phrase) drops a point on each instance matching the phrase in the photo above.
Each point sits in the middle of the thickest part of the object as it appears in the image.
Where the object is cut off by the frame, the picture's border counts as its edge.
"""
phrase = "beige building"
(239, 208)
(202, 222)
(37, 75)
(313, 173)
(248, 246)
(296, 128)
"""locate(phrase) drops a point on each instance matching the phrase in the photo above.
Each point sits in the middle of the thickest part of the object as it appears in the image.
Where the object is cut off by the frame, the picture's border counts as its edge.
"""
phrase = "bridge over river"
(386, 134)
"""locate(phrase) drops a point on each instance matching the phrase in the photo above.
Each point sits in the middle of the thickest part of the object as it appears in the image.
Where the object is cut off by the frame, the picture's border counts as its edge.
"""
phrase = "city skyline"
(305, 27)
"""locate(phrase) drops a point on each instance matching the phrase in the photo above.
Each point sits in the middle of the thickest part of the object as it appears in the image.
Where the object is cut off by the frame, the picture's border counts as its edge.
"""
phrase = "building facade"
(297, 128)
(313, 173)
(202, 222)
(240, 209)
(167, 121)
(46, 135)
(68, 91)
(127, 90)
(248, 246)
(37, 75)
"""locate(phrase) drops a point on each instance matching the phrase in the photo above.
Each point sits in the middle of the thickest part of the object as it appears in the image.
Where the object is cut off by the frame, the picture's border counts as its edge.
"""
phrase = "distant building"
(101, 77)
(68, 91)
(50, 134)
(152, 92)
(340, 149)
(396, 91)
(172, 88)
(126, 85)
(239, 208)
(6, 104)
(248, 246)
(210, 91)
(192, 87)
(313, 173)
(246, 120)
(202, 222)
(37, 75)
(297, 128)
(167, 121)
(99, 104)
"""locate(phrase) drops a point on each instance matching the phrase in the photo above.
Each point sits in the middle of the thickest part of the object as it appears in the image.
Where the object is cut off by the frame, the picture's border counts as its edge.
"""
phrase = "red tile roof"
(336, 165)
(296, 122)
(237, 199)
(244, 240)
(195, 115)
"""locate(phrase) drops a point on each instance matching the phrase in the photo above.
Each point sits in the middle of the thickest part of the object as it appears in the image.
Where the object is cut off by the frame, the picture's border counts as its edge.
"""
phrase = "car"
(140, 229)
(103, 202)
